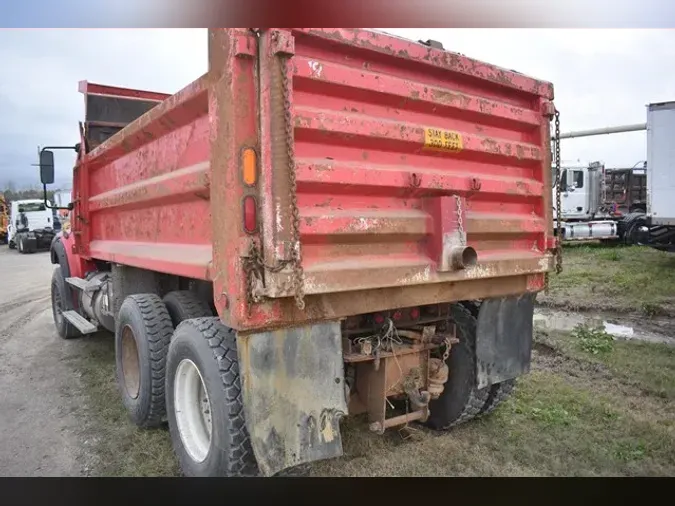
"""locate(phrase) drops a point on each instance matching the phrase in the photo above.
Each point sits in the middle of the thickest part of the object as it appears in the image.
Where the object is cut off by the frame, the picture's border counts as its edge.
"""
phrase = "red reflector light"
(250, 214)
(414, 313)
(379, 319)
(397, 315)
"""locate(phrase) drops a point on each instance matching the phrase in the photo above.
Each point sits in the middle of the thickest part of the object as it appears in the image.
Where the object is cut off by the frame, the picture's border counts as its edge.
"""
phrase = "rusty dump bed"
(391, 142)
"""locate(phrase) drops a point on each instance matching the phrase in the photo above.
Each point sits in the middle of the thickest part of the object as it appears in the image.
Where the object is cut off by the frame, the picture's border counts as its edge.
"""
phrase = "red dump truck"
(329, 222)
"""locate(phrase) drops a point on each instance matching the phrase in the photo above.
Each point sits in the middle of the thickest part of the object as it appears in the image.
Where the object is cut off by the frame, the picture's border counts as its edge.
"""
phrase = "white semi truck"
(585, 214)
(31, 225)
(599, 203)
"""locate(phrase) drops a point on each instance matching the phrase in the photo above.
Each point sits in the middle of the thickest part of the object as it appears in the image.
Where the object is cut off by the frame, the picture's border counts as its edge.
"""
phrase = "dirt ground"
(43, 429)
(593, 404)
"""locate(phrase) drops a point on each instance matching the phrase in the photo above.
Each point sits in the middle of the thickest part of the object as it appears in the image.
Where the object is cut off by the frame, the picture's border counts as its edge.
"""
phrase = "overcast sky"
(601, 78)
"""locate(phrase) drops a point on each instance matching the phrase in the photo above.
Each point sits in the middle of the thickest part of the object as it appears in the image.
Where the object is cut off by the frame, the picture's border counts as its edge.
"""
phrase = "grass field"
(623, 279)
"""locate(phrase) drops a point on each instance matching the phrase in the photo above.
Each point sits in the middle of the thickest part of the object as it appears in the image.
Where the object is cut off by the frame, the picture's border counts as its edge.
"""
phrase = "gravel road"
(42, 406)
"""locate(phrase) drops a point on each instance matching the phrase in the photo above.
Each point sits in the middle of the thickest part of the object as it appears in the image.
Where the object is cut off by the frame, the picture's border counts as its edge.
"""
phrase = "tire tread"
(477, 398)
(185, 305)
(158, 331)
(498, 394)
(222, 342)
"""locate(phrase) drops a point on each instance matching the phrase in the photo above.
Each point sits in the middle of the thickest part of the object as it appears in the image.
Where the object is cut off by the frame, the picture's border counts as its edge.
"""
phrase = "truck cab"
(31, 222)
(581, 191)
(575, 198)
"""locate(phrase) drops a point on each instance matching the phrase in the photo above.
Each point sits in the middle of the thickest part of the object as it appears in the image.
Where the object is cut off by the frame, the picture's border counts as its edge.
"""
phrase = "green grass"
(593, 340)
(648, 366)
(636, 279)
(122, 448)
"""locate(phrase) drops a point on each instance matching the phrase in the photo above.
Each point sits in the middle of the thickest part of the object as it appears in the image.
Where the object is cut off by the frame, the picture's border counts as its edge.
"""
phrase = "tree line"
(33, 193)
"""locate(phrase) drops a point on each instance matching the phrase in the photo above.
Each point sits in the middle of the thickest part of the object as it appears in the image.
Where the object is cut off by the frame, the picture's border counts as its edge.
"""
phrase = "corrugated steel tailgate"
(387, 134)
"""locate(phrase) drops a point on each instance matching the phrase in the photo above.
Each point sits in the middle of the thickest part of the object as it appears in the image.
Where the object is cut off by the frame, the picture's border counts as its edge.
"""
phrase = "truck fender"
(504, 339)
(61, 253)
(58, 255)
(294, 395)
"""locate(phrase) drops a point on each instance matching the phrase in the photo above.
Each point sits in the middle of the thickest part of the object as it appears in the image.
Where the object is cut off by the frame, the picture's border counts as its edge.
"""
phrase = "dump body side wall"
(375, 200)
(143, 195)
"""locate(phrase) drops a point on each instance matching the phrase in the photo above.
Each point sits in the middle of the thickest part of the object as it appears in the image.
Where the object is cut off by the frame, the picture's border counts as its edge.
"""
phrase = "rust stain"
(485, 106)
(450, 98)
(490, 145)
(325, 203)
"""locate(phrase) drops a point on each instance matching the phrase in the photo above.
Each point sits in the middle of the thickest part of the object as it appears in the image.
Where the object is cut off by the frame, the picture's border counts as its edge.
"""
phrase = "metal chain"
(460, 219)
(558, 254)
(446, 353)
(558, 210)
(296, 254)
(254, 264)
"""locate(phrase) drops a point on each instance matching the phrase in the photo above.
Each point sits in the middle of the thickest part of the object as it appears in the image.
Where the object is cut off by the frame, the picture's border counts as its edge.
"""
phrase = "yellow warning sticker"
(444, 140)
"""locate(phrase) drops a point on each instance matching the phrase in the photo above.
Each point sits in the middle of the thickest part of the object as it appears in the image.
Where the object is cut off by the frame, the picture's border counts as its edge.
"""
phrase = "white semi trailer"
(655, 226)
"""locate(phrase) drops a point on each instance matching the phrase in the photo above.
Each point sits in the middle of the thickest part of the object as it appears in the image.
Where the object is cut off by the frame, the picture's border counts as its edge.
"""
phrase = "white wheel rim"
(193, 410)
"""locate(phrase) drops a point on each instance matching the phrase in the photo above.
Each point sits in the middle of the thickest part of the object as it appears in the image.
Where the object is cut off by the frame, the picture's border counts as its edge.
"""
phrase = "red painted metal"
(88, 88)
(166, 192)
(78, 265)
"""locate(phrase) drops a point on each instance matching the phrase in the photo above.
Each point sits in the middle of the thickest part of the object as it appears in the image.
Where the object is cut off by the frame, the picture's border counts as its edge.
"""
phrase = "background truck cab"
(31, 225)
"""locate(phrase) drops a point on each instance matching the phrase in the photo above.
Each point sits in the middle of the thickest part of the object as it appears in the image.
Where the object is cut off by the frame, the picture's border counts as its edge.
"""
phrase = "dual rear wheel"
(176, 362)
(462, 400)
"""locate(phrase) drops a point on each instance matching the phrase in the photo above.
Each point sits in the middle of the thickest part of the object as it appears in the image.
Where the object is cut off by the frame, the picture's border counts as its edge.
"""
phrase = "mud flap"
(294, 395)
(504, 339)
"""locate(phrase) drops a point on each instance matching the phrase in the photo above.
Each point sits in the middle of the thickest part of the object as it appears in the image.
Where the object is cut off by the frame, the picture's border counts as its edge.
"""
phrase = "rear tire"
(204, 401)
(185, 305)
(11, 244)
(630, 224)
(142, 334)
(61, 302)
(461, 400)
(498, 394)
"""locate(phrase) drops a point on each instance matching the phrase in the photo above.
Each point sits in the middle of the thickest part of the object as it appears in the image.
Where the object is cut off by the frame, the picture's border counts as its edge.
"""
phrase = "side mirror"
(46, 167)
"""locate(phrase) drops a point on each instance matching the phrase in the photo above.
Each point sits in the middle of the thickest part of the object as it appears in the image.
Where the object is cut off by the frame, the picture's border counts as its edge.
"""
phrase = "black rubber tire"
(212, 347)
(498, 394)
(461, 400)
(11, 244)
(150, 323)
(61, 302)
(630, 223)
(184, 305)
